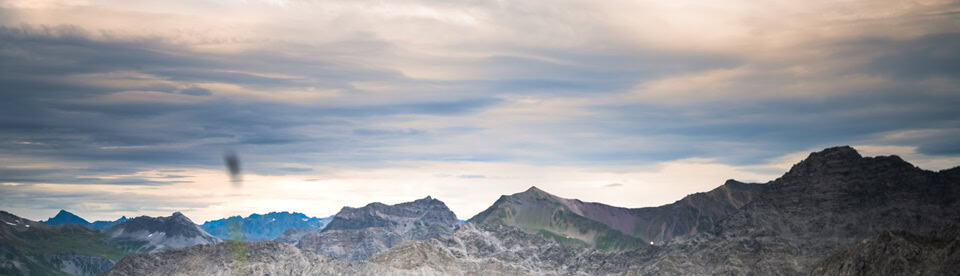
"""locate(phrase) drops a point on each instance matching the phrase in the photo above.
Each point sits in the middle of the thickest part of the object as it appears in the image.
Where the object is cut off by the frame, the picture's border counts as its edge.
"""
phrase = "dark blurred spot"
(233, 167)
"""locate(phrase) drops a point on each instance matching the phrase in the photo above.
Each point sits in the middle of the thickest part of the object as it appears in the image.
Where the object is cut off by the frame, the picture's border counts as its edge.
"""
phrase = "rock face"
(239, 258)
(589, 224)
(829, 201)
(897, 253)
(358, 233)
(162, 233)
(262, 227)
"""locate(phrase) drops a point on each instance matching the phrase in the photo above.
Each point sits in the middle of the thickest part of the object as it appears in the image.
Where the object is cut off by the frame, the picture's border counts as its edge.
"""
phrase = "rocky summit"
(162, 233)
(358, 233)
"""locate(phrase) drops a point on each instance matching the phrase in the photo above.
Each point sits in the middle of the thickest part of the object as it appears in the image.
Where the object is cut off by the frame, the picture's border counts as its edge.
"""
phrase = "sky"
(111, 108)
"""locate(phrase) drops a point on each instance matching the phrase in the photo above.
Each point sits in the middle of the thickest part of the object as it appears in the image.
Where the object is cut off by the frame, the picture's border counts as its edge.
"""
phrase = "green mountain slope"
(32, 248)
(538, 212)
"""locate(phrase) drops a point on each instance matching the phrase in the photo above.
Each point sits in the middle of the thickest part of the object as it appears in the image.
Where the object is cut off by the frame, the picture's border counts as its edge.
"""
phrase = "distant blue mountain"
(103, 224)
(64, 217)
(262, 227)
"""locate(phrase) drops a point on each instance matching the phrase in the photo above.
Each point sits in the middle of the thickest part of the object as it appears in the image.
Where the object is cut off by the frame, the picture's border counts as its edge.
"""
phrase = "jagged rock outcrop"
(897, 253)
(162, 233)
(262, 227)
(358, 233)
(242, 258)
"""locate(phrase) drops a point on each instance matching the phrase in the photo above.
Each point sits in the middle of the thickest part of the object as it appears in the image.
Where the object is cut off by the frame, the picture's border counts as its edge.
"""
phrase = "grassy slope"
(32, 245)
(554, 222)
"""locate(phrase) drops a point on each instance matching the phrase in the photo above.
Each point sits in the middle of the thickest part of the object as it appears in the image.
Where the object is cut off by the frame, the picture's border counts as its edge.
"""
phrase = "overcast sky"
(126, 107)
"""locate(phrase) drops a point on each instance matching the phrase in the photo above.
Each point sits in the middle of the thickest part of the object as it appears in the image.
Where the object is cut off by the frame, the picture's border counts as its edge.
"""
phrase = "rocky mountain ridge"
(162, 233)
(358, 233)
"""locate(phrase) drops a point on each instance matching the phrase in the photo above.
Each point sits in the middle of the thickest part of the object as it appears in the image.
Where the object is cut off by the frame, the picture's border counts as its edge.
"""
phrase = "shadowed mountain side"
(694, 213)
(831, 200)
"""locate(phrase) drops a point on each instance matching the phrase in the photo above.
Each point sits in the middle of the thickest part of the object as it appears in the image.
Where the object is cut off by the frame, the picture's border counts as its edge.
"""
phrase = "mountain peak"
(176, 231)
(836, 153)
(732, 182)
(64, 217)
(844, 160)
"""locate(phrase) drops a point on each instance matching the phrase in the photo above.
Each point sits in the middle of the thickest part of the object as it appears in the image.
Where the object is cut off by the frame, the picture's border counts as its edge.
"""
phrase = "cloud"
(94, 93)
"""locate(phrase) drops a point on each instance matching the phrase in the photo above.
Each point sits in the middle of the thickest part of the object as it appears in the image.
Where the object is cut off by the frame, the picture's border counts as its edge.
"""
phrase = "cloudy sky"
(121, 107)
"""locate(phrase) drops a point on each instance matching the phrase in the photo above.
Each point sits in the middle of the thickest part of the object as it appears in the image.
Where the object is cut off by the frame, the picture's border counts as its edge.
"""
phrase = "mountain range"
(64, 217)
(263, 227)
(834, 213)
